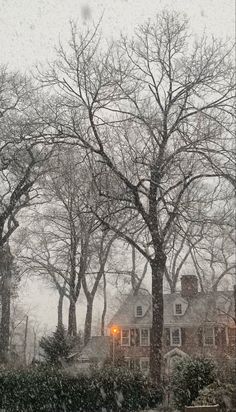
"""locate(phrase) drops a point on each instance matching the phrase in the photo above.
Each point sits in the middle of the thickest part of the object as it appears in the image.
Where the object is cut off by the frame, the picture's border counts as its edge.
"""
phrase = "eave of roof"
(203, 306)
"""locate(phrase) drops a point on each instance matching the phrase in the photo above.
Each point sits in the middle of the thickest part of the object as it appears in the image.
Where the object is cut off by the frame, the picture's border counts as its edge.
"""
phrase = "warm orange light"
(114, 330)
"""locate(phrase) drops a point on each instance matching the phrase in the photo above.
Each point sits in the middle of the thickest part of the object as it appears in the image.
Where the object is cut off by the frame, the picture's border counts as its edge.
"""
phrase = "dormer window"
(178, 309)
(139, 311)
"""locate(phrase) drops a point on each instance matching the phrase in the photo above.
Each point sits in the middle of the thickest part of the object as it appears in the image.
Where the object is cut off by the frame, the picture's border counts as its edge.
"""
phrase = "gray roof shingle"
(98, 347)
(202, 307)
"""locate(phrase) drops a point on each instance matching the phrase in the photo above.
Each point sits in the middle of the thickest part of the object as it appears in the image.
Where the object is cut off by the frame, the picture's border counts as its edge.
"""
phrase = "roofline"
(131, 325)
(177, 325)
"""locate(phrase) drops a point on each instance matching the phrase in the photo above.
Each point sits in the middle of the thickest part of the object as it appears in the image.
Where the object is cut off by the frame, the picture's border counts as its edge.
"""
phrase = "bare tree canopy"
(21, 156)
(152, 111)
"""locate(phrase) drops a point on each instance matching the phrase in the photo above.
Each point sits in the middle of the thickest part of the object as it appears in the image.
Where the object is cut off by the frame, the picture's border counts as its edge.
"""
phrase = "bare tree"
(68, 245)
(149, 109)
(22, 160)
(21, 155)
(136, 278)
(179, 255)
(214, 257)
(59, 247)
(103, 244)
(24, 335)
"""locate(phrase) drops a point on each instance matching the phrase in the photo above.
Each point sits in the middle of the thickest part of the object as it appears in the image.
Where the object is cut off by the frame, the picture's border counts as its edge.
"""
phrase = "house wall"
(201, 321)
(192, 343)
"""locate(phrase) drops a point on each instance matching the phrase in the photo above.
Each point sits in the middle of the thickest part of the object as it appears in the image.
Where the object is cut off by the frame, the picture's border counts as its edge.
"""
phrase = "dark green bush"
(189, 377)
(47, 390)
(216, 393)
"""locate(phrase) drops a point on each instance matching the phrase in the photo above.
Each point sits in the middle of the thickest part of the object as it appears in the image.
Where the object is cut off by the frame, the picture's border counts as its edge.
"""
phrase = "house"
(195, 324)
(94, 353)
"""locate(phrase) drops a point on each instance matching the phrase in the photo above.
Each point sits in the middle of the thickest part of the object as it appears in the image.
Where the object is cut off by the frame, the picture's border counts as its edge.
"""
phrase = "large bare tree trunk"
(158, 268)
(88, 321)
(72, 326)
(60, 310)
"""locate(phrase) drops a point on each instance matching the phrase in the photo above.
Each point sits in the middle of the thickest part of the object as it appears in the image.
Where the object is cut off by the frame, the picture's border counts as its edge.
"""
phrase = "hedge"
(110, 389)
(217, 393)
(189, 377)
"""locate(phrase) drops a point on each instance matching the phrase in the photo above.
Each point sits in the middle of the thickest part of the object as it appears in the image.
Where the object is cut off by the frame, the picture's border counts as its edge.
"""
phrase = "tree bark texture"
(88, 321)
(60, 310)
(72, 326)
(5, 292)
(104, 311)
(25, 339)
(158, 268)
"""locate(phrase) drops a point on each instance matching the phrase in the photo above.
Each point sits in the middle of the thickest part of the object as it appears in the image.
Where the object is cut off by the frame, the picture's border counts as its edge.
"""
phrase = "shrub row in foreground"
(216, 393)
(38, 390)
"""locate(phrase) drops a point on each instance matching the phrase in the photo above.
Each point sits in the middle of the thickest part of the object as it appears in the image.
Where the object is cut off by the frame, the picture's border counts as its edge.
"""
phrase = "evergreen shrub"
(56, 346)
(50, 390)
(189, 377)
(217, 394)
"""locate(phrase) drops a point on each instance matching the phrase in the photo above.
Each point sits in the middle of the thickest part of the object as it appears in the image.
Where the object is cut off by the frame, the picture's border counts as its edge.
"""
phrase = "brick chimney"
(189, 286)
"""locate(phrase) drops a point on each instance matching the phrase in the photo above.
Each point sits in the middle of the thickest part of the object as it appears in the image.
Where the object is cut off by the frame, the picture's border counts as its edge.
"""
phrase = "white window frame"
(145, 371)
(122, 337)
(181, 306)
(172, 343)
(127, 362)
(213, 336)
(148, 337)
(136, 311)
(231, 340)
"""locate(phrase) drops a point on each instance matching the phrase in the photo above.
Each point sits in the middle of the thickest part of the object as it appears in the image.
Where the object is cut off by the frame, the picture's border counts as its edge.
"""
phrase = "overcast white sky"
(29, 30)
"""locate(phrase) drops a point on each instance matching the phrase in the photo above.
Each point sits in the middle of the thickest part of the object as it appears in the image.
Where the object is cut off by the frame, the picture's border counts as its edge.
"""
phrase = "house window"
(139, 311)
(127, 363)
(125, 337)
(144, 337)
(209, 336)
(178, 309)
(134, 364)
(232, 336)
(175, 337)
(144, 365)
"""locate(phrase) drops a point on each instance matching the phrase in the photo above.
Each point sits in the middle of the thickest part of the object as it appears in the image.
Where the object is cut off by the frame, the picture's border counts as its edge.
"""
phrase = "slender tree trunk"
(60, 310)
(35, 345)
(104, 305)
(88, 321)
(235, 304)
(25, 340)
(5, 292)
(158, 268)
(72, 326)
(5, 319)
